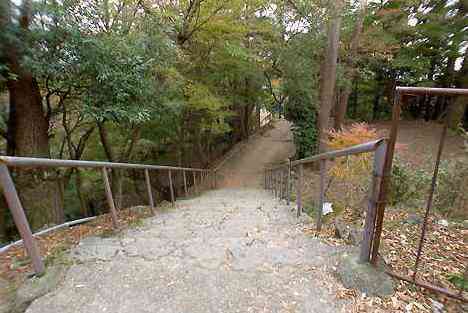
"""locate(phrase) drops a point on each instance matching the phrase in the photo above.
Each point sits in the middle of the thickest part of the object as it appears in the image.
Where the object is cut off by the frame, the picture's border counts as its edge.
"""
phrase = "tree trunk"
(460, 105)
(351, 72)
(28, 127)
(328, 73)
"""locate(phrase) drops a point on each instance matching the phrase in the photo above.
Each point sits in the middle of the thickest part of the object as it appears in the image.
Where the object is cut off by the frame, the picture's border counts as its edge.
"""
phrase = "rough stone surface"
(6, 296)
(363, 277)
(465, 224)
(234, 250)
(351, 234)
(37, 287)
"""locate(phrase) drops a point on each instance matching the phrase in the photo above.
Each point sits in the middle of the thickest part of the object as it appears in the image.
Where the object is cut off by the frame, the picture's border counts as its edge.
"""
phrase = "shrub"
(351, 174)
(410, 186)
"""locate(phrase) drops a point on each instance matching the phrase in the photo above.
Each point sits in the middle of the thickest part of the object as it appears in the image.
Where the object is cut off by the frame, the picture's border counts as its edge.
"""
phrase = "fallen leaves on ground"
(445, 253)
(15, 265)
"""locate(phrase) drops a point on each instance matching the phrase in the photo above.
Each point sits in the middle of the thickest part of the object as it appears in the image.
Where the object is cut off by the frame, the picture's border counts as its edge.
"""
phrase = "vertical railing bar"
(281, 184)
(430, 198)
(150, 192)
(19, 217)
(195, 187)
(185, 184)
(323, 170)
(202, 187)
(288, 199)
(110, 198)
(171, 187)
(274, 182)
(201, 181)
(270, 174)
(396, 112)
(215, 175)
(369, 226)
(299, 190)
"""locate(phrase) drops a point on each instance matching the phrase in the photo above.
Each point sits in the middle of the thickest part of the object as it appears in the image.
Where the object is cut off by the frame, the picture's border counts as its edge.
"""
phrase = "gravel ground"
(230, 250)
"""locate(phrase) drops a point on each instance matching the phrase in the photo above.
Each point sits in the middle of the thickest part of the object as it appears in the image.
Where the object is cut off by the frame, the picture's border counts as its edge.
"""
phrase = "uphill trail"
(235, 249)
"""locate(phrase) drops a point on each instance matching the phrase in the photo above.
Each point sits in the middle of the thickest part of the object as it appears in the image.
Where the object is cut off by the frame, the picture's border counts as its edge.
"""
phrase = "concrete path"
(231, 250)
(245, 169)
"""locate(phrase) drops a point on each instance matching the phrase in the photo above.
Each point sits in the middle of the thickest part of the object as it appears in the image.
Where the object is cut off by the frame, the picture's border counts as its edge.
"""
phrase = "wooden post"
(288, 196)
(185, 184)
(171, 188)
(299, 189)
(148, 188)
(368, 234)
(19, 217)
(323, 173)
(110, 198)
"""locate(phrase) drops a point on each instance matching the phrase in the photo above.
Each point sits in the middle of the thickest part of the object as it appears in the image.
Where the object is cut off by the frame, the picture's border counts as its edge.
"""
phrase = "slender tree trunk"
(328, 73)
(351, 72)
(460, 105)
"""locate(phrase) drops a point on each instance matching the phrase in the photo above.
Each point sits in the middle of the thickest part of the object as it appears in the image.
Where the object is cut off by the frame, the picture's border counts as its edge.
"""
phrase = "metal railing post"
(171, 188)
(323, 173)
(19, 217)
(195, 187)
(148, 188)
(185, 184)
(369, 226)
(110, 198)
(275, 182)
(281, 184)
(288, 196)
(215, 175)
(299, 189)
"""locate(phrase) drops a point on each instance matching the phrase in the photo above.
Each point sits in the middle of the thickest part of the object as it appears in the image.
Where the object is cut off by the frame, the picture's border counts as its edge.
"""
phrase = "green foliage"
(459, 281)
(410, 186)
(300, 85)
(304, 128)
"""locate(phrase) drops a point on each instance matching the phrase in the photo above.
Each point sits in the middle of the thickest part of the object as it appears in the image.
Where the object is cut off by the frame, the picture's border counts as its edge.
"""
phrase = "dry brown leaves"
(445, 252)
(14, 264)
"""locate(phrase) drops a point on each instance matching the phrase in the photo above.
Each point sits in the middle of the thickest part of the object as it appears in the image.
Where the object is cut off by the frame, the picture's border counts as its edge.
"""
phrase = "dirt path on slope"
(245, 168)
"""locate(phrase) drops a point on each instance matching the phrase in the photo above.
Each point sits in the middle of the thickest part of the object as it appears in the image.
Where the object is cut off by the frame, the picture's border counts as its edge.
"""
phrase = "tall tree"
(328, 72)
(28, 124)
(351, 67)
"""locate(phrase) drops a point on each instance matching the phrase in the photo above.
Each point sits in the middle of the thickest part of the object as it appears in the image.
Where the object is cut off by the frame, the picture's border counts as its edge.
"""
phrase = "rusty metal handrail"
(43, 162)
(356, 149)
(274, 180)
(431, 91)
(18, 213)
